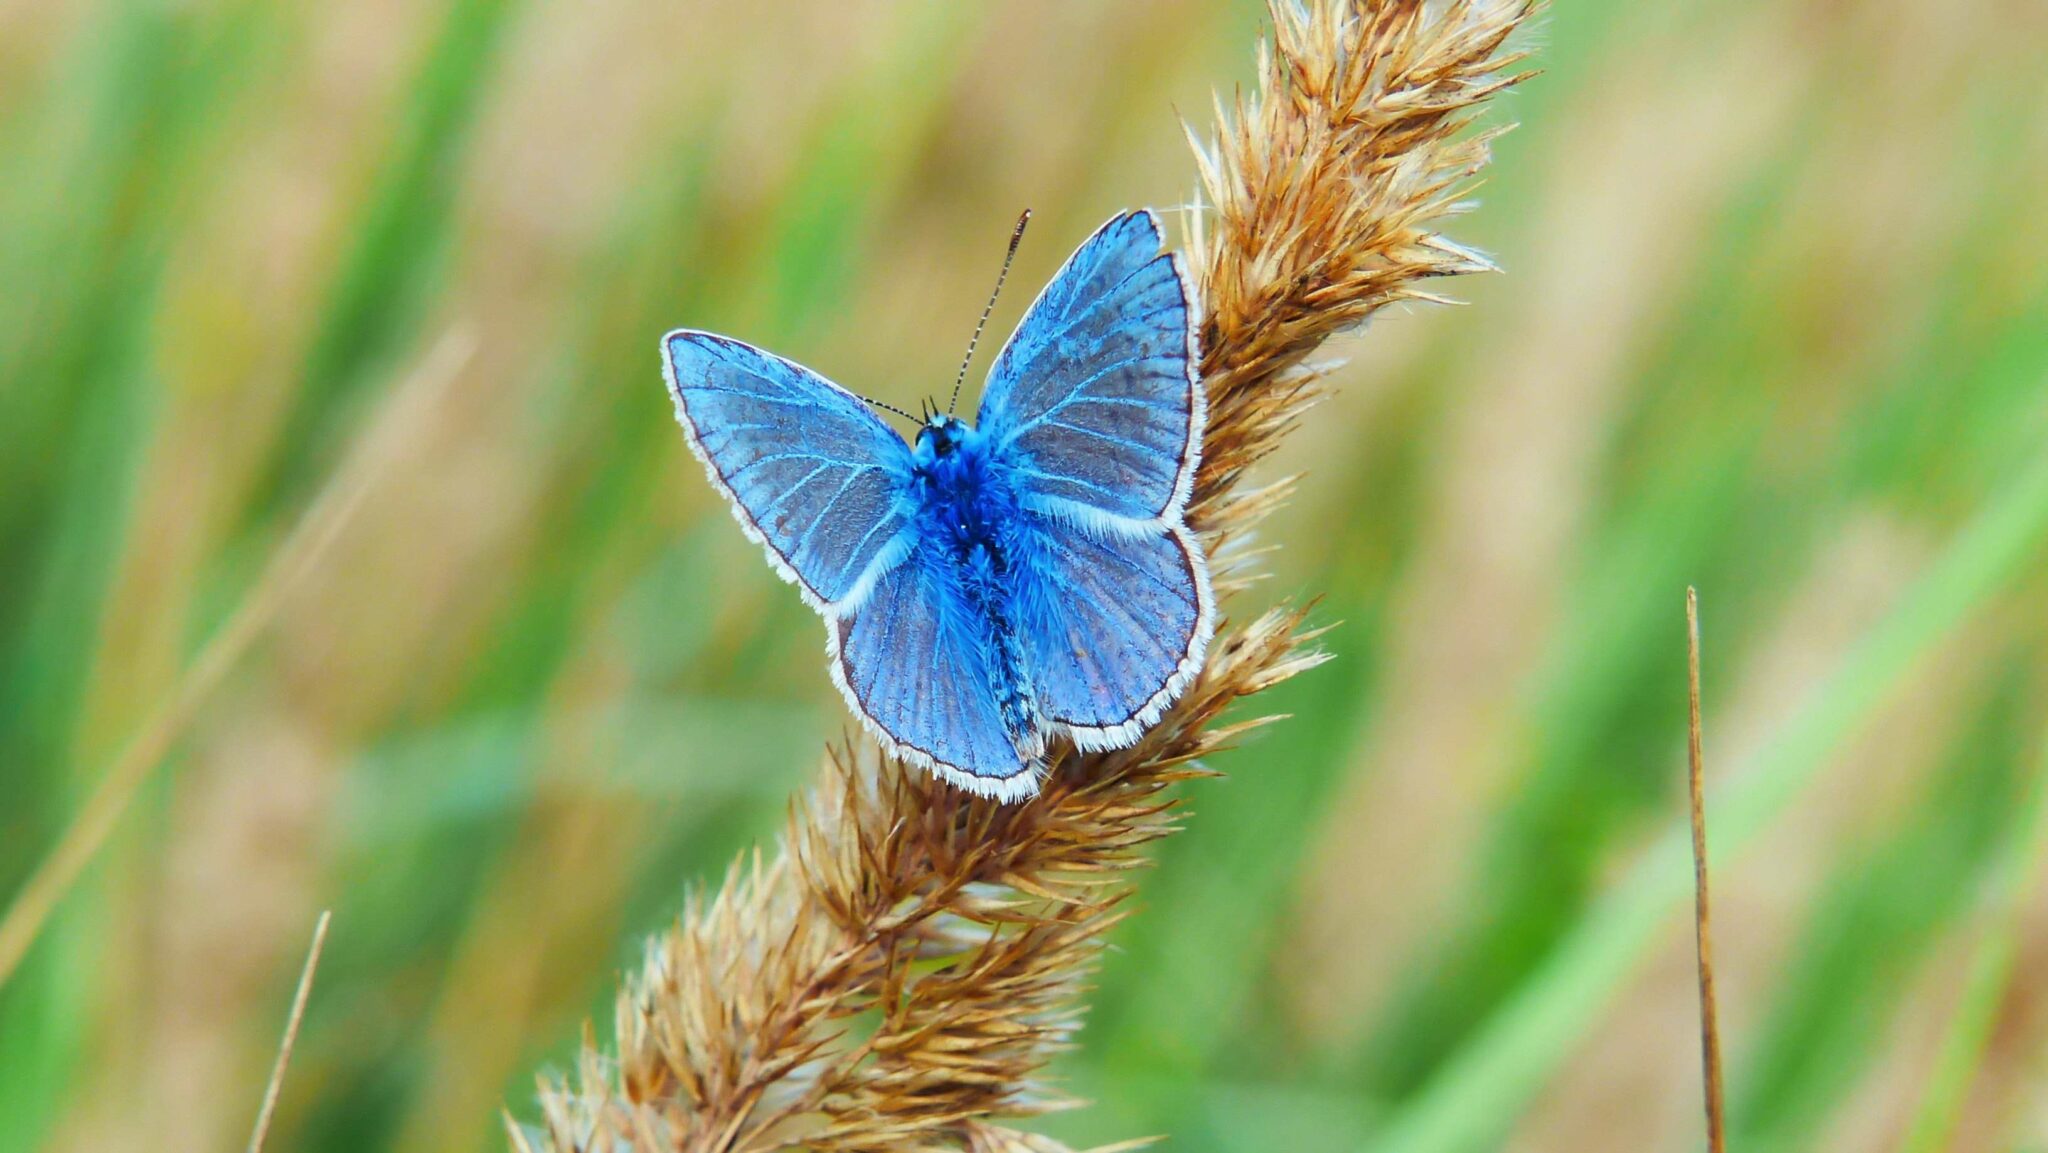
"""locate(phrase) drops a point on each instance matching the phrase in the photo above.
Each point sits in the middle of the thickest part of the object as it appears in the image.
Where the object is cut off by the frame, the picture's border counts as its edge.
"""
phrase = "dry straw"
(899, 974)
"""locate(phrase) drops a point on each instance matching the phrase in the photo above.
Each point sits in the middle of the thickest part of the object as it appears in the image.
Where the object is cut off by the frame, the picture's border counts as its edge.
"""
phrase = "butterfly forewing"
(812, 474)
(1093, 402)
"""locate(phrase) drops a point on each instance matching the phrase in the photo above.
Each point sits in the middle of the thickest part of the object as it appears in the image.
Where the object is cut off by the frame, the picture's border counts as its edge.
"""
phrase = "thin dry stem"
(903, 969)
(1703, 935)
(300, 554)
(275, 1088)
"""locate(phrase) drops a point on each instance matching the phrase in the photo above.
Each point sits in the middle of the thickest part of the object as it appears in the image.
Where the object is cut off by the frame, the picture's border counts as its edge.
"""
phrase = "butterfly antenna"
(871, 402)
(1015, 238)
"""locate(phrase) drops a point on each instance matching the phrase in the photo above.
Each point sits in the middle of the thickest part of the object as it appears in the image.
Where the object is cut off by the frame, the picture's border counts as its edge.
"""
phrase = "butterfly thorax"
(961, 493)
(968, 507)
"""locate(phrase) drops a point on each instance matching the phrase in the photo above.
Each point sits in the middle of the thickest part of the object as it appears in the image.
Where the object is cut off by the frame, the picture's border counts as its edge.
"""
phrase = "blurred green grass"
(1776, 323)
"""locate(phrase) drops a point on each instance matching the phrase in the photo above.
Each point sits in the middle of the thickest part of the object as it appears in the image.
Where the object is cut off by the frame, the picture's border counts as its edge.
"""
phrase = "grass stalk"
(1703, 937)
(275, 1087)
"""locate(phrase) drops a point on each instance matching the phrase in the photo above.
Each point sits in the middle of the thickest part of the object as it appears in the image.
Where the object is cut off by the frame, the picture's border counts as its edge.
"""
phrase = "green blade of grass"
(380, 294)
(1472, 1100)
(1871, 927)
(2015, 881)
(1692, 490)
(1584, 789)
(664, 263)
(88, 228)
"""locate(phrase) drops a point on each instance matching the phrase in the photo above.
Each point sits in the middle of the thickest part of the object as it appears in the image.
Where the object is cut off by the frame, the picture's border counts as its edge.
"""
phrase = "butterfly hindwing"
(1094, 401)
(812, 474)
(911, 662)
(1115, 627)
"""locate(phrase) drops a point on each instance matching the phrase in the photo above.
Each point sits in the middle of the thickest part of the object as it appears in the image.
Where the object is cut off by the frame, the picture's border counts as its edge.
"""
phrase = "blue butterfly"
(1001, 584)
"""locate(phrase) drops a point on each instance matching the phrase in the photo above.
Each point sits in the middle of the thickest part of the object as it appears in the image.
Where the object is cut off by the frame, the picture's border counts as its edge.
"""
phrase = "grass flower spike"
(898, 973)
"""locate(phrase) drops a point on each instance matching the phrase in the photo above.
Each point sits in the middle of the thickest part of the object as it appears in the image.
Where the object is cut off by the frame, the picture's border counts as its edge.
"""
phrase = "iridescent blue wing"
(1094, 403)
(911, 664)
(812, 474)
(1096, 413)
(1114, 627)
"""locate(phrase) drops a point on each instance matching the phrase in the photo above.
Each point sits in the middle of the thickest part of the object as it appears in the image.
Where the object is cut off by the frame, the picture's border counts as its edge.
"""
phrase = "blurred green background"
(1775, 322)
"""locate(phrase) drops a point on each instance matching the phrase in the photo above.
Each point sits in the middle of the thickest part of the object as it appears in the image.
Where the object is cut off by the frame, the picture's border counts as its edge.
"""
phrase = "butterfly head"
(941, 436)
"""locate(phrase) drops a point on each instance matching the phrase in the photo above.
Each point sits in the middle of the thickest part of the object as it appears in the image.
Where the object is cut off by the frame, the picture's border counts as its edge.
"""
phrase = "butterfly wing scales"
(1096, 410)
(1117, 626)
(1094, 401)
(909, 663)
(812, 474)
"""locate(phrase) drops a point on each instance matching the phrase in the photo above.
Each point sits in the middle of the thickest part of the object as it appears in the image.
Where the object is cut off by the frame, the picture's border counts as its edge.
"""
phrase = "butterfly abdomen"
(966, 504)
(1009, 677)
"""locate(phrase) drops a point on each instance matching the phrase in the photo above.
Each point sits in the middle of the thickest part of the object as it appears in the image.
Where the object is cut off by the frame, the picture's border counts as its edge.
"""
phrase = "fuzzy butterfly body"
(993, 586)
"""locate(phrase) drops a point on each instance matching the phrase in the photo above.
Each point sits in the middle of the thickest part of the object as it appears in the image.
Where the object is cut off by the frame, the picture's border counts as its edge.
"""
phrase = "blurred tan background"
(1774, 322)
